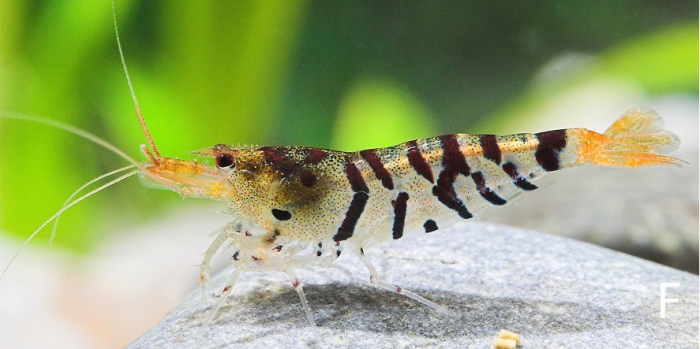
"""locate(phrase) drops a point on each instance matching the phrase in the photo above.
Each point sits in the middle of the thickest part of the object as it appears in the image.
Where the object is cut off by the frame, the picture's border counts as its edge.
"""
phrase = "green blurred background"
(335, 74)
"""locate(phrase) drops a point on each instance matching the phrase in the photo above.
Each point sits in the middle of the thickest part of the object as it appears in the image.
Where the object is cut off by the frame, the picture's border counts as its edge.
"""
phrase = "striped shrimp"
(293, 206)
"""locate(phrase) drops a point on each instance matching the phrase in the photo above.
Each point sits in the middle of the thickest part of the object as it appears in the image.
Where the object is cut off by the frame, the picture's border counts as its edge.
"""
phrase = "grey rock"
(649, 212)
(555, 292)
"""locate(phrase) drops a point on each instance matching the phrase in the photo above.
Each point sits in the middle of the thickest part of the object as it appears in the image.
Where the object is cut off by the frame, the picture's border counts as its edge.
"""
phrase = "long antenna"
(63, 209)
(144, 127)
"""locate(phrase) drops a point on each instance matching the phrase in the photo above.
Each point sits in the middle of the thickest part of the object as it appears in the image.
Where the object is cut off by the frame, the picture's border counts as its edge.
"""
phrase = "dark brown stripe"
(307, 178)
(450, 200)
(486, 192)
(378, 167)
(517, 179)
(453, 163)
(430, 226)
(273, 154)
(315, 155)
(279, 159)
(281, 214)
(490, 148)
(452, 157)
(347, 228)
(355, 178)
(400, 205)
(547, 153)
(416, 159)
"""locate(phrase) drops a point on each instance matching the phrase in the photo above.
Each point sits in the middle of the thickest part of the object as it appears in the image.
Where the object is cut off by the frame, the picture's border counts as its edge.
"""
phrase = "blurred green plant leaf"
(663, 62)
(376, 113)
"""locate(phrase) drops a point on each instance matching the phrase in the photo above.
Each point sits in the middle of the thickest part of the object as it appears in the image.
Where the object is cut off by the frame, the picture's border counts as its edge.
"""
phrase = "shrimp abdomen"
(426, 184)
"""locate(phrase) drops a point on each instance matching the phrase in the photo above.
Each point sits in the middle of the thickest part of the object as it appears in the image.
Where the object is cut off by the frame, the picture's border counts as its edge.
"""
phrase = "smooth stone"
(555, 292)
(649, 212)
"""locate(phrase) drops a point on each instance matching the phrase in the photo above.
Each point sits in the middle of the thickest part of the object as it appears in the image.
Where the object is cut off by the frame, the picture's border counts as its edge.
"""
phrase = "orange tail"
(636, 139)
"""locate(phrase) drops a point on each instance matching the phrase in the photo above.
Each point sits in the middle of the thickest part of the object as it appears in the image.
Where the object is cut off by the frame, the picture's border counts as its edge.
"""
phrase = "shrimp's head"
(192, 178)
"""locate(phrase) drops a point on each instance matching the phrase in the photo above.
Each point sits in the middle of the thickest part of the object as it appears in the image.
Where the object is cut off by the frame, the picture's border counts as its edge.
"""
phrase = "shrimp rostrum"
(294, 206)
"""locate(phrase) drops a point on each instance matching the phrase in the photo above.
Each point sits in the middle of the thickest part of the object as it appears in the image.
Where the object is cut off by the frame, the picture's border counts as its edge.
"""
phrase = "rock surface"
(554, 292)
(649, 212)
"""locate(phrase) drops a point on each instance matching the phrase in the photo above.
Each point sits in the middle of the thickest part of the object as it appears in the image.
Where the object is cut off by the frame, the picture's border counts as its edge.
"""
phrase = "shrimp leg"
(204, 269)
(375, 281)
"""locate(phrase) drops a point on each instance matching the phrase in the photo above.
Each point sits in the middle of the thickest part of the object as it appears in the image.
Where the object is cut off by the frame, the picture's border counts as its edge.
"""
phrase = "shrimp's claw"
(637, 138)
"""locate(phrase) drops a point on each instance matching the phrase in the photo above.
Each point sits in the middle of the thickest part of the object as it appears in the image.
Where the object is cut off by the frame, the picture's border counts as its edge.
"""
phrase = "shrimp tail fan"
(637, 138)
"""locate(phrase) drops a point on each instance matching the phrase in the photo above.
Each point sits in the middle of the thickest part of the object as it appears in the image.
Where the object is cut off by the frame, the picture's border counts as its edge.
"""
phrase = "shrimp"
(293, 206)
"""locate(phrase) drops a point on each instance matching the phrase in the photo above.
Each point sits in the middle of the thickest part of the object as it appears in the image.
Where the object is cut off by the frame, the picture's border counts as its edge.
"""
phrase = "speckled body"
(295, 206)
(305, 196)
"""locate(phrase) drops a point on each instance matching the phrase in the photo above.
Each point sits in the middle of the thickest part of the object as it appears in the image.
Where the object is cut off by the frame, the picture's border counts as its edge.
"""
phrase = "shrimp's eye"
(225, 161)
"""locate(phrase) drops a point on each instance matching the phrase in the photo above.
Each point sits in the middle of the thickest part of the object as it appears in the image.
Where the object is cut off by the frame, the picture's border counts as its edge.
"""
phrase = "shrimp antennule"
(142, 120)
